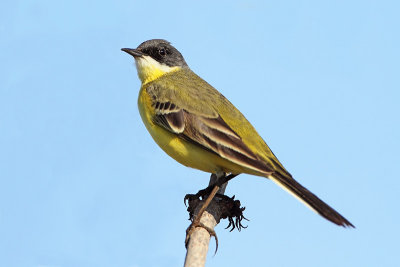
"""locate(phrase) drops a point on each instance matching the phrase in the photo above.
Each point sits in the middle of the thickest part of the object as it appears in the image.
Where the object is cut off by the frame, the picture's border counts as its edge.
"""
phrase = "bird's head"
(155, 58)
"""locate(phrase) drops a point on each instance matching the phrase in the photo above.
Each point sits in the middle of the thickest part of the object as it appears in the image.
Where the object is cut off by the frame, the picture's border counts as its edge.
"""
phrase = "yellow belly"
(186, 153)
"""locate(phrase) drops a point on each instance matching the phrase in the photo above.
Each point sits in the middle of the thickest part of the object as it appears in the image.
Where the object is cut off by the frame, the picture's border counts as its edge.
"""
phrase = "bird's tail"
(309, 199)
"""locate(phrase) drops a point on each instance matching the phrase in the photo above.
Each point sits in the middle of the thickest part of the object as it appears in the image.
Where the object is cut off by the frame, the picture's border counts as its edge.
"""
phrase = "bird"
(198, 127)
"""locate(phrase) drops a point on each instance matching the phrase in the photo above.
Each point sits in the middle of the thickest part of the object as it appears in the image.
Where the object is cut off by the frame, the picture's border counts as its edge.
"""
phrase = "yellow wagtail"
(197, 126)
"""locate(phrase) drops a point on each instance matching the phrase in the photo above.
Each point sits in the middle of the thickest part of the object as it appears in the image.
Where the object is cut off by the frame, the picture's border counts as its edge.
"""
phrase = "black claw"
(188, 198)
(233, 212)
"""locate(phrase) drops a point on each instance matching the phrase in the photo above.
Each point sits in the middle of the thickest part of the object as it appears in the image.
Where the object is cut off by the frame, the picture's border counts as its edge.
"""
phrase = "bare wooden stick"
(197, 248)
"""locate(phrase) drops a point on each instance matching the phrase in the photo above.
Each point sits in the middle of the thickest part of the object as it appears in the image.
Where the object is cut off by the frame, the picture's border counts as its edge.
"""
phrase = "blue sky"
(83, 184)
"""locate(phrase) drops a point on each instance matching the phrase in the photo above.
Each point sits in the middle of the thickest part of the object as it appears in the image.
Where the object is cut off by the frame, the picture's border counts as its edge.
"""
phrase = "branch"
(197, 247)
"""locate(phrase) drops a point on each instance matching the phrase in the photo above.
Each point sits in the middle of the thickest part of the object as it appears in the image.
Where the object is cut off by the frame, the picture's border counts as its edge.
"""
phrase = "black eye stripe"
(164, 54)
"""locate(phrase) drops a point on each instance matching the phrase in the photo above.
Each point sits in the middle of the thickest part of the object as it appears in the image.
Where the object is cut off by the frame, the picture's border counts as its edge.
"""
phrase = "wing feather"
(213, 134)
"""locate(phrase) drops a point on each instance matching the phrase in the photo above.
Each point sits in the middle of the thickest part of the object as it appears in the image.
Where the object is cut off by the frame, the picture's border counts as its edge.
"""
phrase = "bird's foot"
(193, 200)
(232, 211)
(202, 194)
(230, 208)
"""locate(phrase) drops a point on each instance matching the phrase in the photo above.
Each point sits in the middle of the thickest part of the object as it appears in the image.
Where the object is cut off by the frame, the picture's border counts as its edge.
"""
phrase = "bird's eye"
(162, 51)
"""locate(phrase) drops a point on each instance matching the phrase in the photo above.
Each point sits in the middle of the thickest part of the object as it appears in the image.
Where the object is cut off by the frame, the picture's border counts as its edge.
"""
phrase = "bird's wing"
(211, 133)
(193, 116)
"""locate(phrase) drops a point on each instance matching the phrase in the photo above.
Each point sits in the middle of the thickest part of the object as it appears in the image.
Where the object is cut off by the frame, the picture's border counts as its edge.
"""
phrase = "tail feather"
(308, 198)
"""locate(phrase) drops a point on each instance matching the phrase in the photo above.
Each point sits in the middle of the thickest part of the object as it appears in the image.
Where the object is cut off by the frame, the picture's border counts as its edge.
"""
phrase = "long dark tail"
(311, 200)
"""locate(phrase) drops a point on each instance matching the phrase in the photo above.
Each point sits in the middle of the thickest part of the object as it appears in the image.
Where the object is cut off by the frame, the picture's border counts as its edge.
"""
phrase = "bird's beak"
(133, 52)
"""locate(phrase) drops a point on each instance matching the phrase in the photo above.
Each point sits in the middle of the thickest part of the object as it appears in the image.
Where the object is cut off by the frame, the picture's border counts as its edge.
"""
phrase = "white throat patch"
(150, 69)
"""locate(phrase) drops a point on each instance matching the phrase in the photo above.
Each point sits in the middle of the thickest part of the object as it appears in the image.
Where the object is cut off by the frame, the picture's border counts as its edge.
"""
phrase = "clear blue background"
(83, 184)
